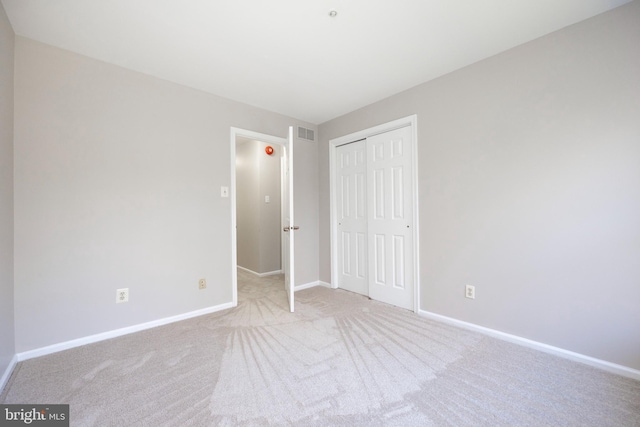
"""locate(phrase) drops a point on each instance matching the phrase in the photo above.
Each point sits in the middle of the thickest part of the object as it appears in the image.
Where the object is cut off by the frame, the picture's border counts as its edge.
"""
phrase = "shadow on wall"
(258, 206)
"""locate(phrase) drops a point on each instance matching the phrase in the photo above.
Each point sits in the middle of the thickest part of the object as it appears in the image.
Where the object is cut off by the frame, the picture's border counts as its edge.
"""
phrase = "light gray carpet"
(341, 359)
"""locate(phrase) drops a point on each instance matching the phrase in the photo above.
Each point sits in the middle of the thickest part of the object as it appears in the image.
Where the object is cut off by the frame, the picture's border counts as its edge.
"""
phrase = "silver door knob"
(286, 229)
(295, 227)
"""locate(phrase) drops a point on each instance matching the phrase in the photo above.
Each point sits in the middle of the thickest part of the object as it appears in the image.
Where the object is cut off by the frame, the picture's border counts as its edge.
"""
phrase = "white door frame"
(411, 121)
(270, 139)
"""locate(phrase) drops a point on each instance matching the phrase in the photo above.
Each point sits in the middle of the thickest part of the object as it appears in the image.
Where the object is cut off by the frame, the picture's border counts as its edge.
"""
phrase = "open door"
(288, 226)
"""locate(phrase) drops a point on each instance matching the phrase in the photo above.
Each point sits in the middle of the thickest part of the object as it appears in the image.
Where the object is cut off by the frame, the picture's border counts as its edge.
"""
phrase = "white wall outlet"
(267, 199)
(122, 295)
(470, 291)
(224, 191)
(202, 284)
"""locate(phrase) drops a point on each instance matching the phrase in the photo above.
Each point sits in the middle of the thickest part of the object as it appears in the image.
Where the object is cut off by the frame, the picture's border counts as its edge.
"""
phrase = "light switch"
(267, 199)
(224, 191)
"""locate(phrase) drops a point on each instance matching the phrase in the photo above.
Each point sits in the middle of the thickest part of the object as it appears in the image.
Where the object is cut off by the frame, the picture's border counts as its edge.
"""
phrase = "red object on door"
(269, 150)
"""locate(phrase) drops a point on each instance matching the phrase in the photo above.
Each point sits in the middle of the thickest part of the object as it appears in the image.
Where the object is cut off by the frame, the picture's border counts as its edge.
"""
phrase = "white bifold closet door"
(352, 216)
(375, 216)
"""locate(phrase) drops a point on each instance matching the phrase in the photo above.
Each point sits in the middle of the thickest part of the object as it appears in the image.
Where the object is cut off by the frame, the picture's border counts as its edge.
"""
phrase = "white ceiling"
(289, 56)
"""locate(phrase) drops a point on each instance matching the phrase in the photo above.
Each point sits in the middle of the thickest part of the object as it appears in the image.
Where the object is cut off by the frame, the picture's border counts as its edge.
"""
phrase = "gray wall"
(259, 223)
(270, 219)
(529, 187)
(7, 342)
(117, 184)
(247, 207)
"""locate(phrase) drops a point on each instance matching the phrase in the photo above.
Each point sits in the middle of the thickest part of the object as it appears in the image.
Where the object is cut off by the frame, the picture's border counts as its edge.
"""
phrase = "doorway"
(258, 206)
(374, 213)
(284, 146)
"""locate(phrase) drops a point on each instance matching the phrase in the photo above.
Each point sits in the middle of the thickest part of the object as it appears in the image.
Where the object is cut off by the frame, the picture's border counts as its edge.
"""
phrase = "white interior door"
(288, 227)
(351, 205)
(390, 217)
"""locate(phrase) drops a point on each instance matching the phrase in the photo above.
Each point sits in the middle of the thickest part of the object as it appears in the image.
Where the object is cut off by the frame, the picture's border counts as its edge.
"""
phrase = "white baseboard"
(297, 288)
(311, 285)
(42, 351)
(269, 273)
(7, 372)
(566, 354)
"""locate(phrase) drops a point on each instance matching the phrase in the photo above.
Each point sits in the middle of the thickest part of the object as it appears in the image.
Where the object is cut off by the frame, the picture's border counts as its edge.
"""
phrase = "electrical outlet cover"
(470, 291)
(122, 295)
